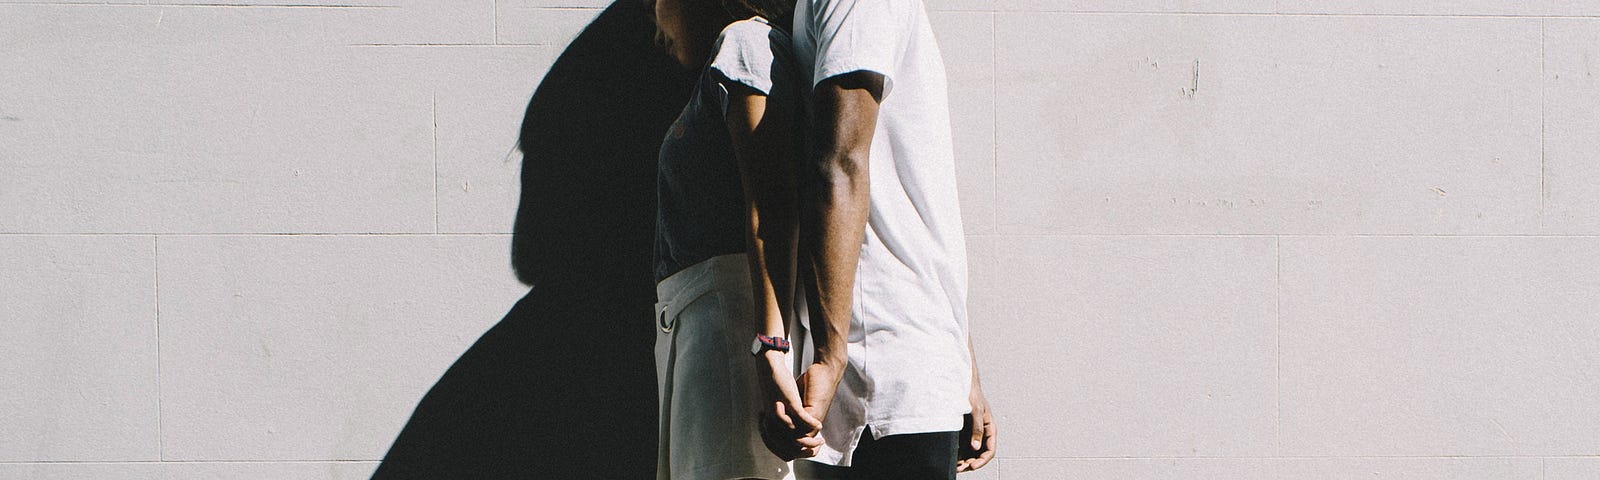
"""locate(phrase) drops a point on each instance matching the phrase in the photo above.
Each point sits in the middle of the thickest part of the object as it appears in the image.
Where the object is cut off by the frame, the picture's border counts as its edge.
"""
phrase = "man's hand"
(787, 429)
(817, 387)
(978, 436)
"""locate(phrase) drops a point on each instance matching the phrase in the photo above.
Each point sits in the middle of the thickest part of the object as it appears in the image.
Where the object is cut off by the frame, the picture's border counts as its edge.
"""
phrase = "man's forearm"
(839, 204)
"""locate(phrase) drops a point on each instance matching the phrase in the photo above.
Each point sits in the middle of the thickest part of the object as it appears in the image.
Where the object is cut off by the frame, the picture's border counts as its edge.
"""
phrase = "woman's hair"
(779, 12)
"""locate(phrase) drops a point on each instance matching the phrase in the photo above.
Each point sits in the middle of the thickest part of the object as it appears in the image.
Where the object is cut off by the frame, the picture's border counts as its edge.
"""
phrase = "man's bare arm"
(833, 215)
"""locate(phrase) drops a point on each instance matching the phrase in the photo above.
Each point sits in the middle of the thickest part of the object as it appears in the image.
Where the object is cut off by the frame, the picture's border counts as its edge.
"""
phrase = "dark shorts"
(915, 456)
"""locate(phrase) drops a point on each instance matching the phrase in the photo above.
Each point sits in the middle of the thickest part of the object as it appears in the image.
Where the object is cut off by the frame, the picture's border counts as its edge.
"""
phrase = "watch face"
(755, 347)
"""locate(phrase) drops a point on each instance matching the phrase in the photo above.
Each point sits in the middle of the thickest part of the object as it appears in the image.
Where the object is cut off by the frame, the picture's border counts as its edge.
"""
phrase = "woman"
(725, 243)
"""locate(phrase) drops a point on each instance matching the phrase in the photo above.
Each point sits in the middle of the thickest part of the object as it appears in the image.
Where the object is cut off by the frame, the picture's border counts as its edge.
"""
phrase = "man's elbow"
(843, 171)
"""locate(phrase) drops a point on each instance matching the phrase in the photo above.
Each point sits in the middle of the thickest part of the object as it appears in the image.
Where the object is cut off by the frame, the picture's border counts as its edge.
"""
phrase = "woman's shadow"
(564, 386)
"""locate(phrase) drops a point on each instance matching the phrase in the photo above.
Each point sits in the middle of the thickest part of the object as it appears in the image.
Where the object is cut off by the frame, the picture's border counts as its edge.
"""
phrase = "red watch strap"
(776, 343)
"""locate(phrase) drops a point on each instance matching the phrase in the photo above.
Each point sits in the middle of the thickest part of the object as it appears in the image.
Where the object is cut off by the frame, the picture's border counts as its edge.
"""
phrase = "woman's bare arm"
(764, 144)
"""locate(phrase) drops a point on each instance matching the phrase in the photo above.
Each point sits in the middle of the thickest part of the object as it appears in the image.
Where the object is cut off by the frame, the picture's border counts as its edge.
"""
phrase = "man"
(892, 382)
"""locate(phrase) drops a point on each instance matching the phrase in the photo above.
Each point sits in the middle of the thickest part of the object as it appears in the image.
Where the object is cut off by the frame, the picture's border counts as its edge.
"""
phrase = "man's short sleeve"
(853, 35)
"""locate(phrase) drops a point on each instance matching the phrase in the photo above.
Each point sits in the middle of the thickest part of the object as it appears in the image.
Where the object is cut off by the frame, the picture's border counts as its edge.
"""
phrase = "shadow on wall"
(564, 386)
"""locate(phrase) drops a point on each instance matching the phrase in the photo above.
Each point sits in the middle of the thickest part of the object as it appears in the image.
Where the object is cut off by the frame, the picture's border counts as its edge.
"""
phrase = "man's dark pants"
(916, 456)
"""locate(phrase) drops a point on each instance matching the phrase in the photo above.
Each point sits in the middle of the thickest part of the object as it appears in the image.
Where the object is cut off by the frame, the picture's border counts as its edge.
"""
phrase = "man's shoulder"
(889, 11)
(888, 3)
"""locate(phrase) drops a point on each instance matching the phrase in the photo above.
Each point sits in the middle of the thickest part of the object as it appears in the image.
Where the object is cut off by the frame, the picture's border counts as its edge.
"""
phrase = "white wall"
(1210, 238)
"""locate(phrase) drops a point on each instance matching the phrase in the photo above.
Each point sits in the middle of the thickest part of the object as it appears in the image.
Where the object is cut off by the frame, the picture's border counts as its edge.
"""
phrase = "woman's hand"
(787, 428)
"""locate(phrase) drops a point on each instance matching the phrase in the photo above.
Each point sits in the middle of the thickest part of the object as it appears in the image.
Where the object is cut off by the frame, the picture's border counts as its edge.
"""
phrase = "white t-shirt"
(909, 367)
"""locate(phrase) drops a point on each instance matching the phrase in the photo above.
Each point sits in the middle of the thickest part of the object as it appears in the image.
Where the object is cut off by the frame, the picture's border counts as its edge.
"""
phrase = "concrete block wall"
(1210, 239)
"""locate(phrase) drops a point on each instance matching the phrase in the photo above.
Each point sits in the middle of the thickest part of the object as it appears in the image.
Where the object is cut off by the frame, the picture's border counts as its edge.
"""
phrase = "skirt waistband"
(684, 287)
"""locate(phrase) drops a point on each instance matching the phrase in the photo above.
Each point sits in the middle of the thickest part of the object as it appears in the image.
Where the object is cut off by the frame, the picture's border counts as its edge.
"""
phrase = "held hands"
(978, 436)
(788, 428)
(791, 425)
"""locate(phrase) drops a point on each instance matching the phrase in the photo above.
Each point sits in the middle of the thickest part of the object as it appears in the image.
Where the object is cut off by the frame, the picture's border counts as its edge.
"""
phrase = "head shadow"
(564, 385)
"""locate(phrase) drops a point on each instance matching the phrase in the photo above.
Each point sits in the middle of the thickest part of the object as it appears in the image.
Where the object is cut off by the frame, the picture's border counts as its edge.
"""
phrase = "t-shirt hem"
(916, 425)
(748, 81)
(829, 456)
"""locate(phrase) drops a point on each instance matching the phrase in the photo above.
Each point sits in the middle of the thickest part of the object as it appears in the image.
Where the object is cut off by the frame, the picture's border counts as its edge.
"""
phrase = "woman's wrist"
(773, 326)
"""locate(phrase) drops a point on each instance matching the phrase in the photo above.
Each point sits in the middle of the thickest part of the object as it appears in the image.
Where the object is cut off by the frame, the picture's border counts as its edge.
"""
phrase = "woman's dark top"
(700, 200)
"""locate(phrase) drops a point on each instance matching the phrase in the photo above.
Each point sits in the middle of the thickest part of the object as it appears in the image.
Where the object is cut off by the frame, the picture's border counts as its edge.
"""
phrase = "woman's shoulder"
(757, 33)
(752, 52)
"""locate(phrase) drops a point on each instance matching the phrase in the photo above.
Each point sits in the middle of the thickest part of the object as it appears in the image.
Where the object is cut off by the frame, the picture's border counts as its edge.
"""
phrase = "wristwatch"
(764, 343)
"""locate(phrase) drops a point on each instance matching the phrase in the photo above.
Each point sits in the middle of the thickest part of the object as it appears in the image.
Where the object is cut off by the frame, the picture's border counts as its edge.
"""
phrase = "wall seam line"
(1017, 234)
(1293, 14)
(161, 448)
(434, 100)
(994, 117)
(1277, 346)
(1005, 457)
(190, 462)
(200, 5)
(1543, 112)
